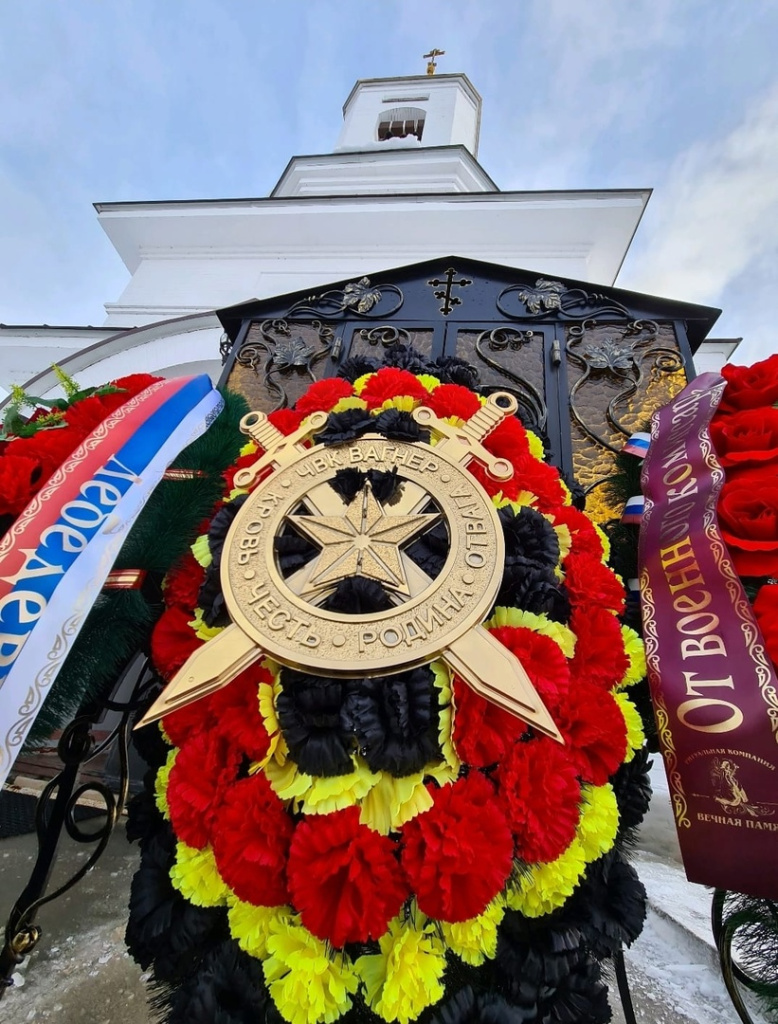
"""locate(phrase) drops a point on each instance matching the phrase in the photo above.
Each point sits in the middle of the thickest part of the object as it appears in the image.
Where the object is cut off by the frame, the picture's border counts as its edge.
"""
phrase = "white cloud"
(716, 213)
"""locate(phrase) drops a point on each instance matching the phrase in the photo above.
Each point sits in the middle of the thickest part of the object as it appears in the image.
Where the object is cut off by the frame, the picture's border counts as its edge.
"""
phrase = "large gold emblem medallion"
(283, 616)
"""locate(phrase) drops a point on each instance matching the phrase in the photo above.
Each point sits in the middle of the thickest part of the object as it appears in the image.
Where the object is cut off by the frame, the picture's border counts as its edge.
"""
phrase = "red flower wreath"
(453, 400)
(251, 836)
(542, 659)
(599, 648)
(321, 396)
(585, 538)
(593, 729)
(172, 641)
(344, 878)
(459, 853)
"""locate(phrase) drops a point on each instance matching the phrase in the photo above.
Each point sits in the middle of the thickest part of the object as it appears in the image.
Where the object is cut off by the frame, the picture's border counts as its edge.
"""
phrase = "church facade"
(402, 185)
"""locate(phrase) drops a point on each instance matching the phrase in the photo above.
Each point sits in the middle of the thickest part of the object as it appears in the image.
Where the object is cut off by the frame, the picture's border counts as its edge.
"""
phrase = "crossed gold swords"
(482, 662)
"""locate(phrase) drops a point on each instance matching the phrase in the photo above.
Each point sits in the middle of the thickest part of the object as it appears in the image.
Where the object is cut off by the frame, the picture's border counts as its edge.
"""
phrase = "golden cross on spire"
(430, 58)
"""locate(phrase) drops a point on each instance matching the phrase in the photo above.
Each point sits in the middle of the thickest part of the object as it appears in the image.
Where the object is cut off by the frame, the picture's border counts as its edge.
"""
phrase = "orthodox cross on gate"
(430, 58)
(449, 300)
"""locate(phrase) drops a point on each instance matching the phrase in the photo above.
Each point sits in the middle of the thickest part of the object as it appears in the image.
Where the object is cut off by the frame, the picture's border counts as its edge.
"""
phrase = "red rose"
(459, 853)
(540, 792)
(391, 383)
(748, 517)
(749, 387)
(323, 395)
(251, 833)
(746, 437)
(766, 611)
(344, 878)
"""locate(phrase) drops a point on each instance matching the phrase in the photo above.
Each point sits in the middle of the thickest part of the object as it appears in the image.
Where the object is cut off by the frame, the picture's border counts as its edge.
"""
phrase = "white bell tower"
(415, 134)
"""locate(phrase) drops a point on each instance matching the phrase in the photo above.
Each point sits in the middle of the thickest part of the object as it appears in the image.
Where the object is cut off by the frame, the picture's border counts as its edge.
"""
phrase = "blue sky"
(164, 99)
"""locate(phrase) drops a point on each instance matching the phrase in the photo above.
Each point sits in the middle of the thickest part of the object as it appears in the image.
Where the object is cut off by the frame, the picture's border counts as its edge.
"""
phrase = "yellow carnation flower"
(160, 784)
(544, 887)
(428, 381)
(252, 926)
(407, 975)
(249, 448)
(405, 403)
(268, 695)
(635, 735)
(392, 802)
(605, 539)
(599, 820)
(636, 652)
(361, 382)
(352, 402)
(307, 984)
(442, 681)
(202, 631)
(197, 878)
(560, 634)
(202, 551)
(475, 941)
(320, 795)
(536, 448)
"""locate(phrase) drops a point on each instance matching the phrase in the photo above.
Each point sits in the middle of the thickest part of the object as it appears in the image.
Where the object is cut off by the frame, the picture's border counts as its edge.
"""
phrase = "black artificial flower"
(357, 595)
(609, 906)
(210, 597)
(529, 535)
(227, 988)
(349, 482)
(357, 366)
(345, 426)
(406, 357)
(469, 1007)
(533, 956)
(395, 720)
(453, 370)
(309, 713)
(400, 426)
(293, 551)
(582, 995)
(430, 550)
(632, 786)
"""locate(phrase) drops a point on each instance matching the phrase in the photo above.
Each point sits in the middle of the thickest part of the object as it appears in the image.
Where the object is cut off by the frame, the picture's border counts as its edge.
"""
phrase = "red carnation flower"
(344, 878)
(591, 583)
(459, 853)
(482, 732)
(582, 532)
(542, 659)
(508, 440)
(172, 641)
(203, 767)
(529, 474)
(242, 463)
(16, 483)
(49, 448)
(285, 420)
(540, 792)
(183, 583)
(251, 836)
(391, 383)
(133, 384)
(181, 725)
(453, 400)
(321, 396)
(594, 731)
(235, 712)
(599, 648)
(84, 416)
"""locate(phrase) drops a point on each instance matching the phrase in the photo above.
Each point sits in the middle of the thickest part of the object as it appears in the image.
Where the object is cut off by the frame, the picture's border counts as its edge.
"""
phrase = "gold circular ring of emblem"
(364, 538)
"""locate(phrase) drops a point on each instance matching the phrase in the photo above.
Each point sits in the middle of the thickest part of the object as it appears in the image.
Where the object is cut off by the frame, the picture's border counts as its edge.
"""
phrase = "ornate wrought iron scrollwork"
(278, 351)
(757, 922)
(624, 356)
(529, 398)
(553, 299)
(56, 810)
(358, 298)
(386, 335)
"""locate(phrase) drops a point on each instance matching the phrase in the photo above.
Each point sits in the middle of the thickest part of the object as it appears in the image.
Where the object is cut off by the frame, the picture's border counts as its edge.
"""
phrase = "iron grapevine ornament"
(430, 619)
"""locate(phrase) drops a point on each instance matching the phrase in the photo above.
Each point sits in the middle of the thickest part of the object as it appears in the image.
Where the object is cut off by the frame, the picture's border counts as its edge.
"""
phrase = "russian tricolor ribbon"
(59, 552)
(638, 444)
(633, 510)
